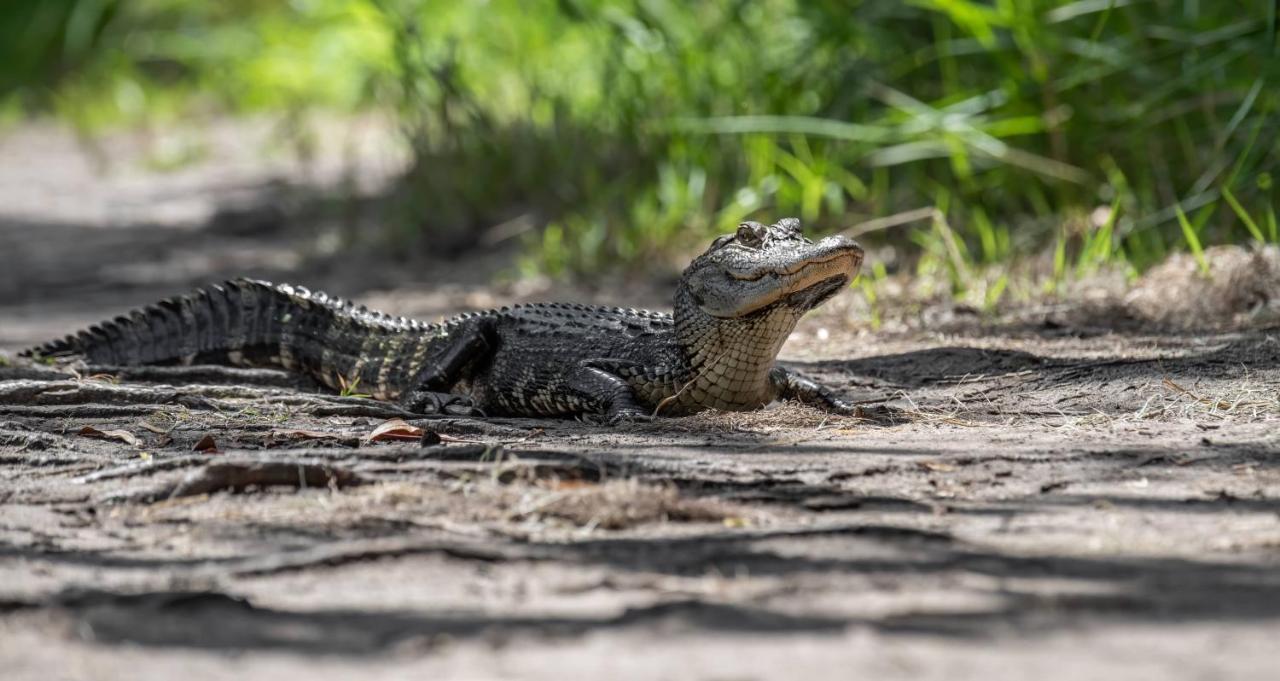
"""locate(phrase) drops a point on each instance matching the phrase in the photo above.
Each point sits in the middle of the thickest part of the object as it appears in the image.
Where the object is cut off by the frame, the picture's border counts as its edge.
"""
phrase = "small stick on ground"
(236, 476)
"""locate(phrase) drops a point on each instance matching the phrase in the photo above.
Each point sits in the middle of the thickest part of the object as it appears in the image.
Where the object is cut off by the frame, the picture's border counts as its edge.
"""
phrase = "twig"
(891, 221)
(238, 475)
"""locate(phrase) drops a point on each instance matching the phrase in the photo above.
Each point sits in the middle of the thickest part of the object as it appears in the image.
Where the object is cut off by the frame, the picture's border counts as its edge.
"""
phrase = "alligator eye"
(749, 233)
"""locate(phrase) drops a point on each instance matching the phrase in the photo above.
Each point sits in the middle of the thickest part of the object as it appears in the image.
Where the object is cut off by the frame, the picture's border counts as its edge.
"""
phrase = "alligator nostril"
(790, 226)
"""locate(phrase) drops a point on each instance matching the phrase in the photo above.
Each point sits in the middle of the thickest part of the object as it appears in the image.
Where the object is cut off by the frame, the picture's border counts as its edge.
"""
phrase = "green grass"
(1244, 216)
(630, 131)
(351, 389)
(1193, 241)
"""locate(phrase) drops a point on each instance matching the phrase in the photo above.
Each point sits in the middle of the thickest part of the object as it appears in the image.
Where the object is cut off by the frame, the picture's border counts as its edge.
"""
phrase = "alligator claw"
(428, 402)
(628, 416)
(463, 407)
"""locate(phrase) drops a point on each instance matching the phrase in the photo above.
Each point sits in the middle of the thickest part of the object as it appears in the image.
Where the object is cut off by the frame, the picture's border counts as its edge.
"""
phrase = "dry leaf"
(394, 430)
(116, 435)
(207, 445)
(572, 484)
(937, 466)
(397, 430)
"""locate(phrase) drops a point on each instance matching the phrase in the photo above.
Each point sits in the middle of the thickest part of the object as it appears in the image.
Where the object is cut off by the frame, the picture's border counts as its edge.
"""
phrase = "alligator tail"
(246, 322)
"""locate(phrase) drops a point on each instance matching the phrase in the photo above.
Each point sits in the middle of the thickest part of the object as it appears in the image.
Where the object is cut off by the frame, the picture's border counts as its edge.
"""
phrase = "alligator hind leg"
(471, 343)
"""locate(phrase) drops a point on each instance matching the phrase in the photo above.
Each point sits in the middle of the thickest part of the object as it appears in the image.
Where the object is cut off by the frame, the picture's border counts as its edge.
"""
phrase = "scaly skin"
(735, 305)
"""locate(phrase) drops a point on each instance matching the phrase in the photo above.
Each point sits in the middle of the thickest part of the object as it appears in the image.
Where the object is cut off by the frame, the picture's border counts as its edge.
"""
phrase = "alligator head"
(762, 267)
(736, 304)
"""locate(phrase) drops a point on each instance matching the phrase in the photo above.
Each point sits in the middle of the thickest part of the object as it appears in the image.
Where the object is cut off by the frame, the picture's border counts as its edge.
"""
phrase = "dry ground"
(1024, 498)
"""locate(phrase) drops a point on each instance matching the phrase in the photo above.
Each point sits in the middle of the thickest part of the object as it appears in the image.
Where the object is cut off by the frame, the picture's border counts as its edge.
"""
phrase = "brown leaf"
(572, 484)
(394, 430)
(206, 445)
(116, 435)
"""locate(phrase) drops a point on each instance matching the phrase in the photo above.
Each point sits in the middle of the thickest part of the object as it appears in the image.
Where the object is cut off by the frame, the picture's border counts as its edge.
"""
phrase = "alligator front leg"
(428, 392)
(789, 385)
(609, 395)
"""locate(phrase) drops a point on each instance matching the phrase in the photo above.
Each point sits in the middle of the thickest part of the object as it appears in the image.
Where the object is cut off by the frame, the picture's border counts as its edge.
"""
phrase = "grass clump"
(1246, 402)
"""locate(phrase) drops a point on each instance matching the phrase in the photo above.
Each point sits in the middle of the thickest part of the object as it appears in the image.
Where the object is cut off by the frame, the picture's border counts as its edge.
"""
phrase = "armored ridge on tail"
(246, 322)
(735, 305)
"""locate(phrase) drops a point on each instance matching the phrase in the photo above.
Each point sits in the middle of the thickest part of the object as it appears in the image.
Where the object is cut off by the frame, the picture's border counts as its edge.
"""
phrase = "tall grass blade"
(1193, 241)
(1245, 107)
(1243, 214)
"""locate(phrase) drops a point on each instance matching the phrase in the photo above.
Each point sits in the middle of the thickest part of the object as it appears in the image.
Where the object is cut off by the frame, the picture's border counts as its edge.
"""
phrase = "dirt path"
(1018, 503)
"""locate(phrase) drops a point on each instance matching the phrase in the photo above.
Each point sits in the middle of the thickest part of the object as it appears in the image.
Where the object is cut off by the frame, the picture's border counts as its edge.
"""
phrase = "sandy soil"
(1022, 499)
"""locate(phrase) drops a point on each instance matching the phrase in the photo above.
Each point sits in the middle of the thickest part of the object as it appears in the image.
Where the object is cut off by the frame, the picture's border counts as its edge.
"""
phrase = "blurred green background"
(1072, 134)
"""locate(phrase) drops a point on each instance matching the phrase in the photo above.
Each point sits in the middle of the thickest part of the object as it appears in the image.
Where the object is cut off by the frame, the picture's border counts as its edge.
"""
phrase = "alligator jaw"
(817, 294)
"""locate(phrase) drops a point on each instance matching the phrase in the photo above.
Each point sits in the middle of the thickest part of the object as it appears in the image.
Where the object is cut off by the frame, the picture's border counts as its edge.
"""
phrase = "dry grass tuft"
(479, 504)
(620, 505)
(610, 505)
(1243, 402)
(793, 417)
(775, 417)
(1243, 287)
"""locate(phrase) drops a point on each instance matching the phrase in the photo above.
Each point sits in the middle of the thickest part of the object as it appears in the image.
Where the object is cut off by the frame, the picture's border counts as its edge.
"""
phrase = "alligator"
(734, 306)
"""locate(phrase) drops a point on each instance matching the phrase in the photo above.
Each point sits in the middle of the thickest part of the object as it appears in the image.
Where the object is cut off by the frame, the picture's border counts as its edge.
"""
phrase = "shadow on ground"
(1236, 367)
